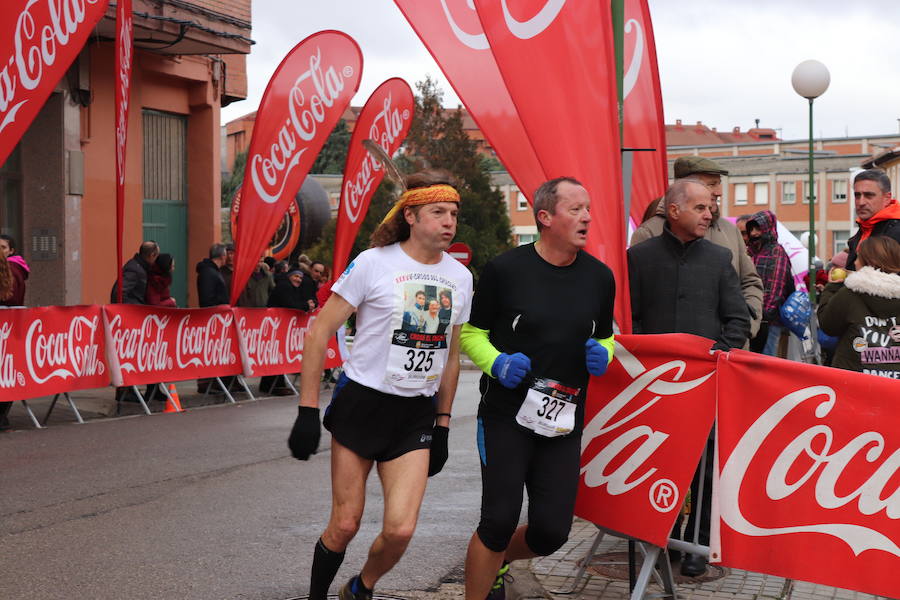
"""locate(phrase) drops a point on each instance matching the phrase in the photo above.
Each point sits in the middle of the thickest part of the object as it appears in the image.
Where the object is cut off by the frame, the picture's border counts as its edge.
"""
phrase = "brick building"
(57, 192)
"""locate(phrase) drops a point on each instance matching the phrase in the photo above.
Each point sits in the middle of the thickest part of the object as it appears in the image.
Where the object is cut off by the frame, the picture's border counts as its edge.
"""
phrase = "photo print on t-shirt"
(419, 344)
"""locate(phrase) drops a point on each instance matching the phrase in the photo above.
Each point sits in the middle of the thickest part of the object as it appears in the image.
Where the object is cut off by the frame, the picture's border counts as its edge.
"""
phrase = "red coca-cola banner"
(149, 344)
(51, 350)
(304, 100)
(809, 461)
(639, 451)
(39, 39)
(557, 61)
(452, 33)
(124, 47)
(385, 119)
(271, 341)
(643, 124)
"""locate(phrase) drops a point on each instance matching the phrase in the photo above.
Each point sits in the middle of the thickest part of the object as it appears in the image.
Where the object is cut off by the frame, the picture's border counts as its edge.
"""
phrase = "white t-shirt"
(392, 351)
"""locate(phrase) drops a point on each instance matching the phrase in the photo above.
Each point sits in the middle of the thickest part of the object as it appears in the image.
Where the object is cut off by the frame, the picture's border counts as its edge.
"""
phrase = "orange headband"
(424, 195)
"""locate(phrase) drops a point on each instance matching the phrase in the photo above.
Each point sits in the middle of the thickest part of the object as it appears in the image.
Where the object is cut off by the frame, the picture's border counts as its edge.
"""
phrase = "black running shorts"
(379, 426)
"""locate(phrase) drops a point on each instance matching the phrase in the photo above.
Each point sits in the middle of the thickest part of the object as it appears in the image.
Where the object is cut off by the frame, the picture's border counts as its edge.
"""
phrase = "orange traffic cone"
(173, 404)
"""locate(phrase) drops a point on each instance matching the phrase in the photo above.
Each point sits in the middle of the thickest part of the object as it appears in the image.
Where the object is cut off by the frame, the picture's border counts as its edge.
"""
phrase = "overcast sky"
(725, 62)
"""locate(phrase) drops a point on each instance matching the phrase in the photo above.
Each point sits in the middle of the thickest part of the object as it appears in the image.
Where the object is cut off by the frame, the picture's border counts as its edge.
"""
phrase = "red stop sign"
(460, 252)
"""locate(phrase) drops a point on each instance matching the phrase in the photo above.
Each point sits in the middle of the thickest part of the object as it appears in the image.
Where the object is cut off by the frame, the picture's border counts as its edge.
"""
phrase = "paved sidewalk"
(610, 581)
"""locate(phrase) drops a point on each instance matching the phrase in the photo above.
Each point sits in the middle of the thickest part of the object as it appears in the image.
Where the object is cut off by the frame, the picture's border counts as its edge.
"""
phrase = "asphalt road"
(205, 504)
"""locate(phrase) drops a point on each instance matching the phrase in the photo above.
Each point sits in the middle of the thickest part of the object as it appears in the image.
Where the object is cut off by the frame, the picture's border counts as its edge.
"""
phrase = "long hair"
(6, 279)
(397, 229)
(880, 252)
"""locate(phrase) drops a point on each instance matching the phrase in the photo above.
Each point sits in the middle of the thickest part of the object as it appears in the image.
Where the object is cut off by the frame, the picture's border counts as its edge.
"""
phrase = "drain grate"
(614, 565)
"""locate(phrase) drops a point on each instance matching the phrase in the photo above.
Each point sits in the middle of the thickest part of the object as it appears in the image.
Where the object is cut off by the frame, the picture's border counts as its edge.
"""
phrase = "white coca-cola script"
(64, 354)
(141, 349)
(384, 131)
(262, 347)
(824, 466)
(632, 472)
(205, 344)
(314, 91)
(35, 46)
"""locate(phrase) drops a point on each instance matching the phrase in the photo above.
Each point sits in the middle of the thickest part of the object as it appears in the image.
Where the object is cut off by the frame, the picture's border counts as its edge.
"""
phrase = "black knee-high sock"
(325, 566)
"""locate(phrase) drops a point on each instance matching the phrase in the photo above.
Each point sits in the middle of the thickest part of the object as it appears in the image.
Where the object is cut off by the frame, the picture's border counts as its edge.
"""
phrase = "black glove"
(439, 451)
(304, 440)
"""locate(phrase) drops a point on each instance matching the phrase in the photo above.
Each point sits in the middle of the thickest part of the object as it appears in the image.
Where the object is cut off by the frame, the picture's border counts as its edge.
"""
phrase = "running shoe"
(347, 591)
(498, 590)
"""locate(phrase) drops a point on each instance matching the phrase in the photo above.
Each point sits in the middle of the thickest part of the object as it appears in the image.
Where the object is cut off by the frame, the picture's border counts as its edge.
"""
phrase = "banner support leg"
(244, 385)
(287, 380)
(584, 565)
(140, 398)
(34, 420)
(73, 407)
(224, 389)
(49, 409)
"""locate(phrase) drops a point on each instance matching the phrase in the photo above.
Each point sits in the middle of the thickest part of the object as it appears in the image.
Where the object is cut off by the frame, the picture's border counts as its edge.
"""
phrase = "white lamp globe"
(810, 79)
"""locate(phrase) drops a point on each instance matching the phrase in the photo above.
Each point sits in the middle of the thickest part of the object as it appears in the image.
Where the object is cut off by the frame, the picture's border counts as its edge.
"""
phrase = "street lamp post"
(810, 79)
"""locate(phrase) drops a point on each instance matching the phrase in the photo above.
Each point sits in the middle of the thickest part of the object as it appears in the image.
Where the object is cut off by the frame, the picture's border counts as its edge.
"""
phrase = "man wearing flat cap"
(721, 232)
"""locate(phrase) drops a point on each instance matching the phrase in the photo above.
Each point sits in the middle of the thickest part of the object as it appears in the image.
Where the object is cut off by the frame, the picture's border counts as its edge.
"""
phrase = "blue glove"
(511, 369)
(596, 356)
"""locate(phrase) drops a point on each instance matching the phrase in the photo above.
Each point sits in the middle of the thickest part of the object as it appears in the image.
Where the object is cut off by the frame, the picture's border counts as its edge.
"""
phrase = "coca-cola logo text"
(36, 45)
(642, 441)
(261, 344)
(124, 83)
(384, 131)
(524, 29)
(9, 376)
(307, 110)
(144, 348)
(822, 468)
(295, 336)
(205, 344)
(65, 354)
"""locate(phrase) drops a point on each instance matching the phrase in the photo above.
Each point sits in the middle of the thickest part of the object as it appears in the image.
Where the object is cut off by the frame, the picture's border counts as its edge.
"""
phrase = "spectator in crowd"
(8, 297)
(325, 284)
(159, 282)
(720, 231)
(863, 310)
(741, 224)
(290, 293)
(259, 286)
(18, 269)
(227, 269)
(877, 213)
(211, 287)
(134, 275)
(774, 267)
(683, 283)
(287, 294)
(212, 291)
(312, 279)
(280, 271)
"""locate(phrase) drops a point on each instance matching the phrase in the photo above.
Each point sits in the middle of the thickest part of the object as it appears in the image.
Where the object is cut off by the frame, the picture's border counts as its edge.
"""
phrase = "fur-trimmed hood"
(873, 282)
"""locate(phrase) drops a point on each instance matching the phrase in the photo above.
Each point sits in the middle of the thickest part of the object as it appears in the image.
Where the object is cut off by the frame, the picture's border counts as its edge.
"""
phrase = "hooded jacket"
(885, 222)
(20, 272)
(864, 312)
(772, 263)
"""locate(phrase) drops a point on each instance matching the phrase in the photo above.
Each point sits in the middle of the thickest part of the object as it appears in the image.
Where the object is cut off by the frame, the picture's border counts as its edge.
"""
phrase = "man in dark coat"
(211, 288)
(134, 275)
(683, 283)
(877, 212)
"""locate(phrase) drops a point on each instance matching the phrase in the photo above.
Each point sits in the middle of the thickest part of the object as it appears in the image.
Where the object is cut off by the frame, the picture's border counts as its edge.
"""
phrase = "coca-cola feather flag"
(385, 119)
(644, 126)
(556, 58)
(451, 31)
(124, 50)
(304, 100)
(38, 42)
